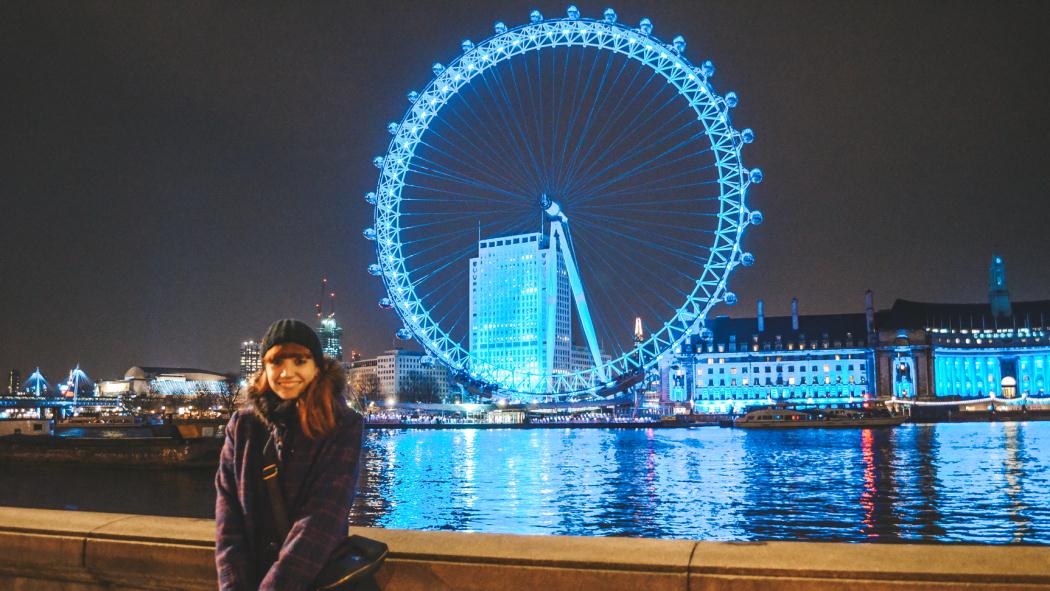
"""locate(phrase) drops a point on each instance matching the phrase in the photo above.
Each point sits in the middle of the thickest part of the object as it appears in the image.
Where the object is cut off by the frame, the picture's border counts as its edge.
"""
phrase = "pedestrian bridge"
(75, 551)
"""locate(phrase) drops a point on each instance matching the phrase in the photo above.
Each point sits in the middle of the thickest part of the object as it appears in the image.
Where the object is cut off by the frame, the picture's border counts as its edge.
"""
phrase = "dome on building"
(36, 385)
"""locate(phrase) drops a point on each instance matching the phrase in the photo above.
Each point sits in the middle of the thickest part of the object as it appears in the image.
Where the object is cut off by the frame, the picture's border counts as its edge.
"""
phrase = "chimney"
(761, 316)
(794, 313)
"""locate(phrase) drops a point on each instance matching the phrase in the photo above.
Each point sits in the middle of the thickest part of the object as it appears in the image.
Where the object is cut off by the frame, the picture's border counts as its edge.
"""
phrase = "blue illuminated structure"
(36, 385)
(479, 148)
(810, 361)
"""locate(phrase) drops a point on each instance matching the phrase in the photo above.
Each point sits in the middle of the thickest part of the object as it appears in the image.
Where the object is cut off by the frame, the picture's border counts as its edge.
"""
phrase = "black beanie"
(290, 330)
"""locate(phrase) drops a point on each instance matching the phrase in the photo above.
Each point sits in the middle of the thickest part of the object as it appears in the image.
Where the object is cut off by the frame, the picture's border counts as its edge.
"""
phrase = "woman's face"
(289, 369)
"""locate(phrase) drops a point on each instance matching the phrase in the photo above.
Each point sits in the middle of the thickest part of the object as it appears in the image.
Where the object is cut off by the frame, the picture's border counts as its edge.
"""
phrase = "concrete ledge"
(41, 549)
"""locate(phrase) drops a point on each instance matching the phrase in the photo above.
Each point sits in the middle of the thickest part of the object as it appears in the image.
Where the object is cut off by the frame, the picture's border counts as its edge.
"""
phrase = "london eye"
(560, 206)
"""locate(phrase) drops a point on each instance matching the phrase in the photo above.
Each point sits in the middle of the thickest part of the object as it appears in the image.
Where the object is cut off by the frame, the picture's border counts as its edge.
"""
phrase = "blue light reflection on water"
(987, 482)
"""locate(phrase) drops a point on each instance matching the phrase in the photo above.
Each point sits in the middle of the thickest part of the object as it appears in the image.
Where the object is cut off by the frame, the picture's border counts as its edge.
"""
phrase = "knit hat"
(290, 330)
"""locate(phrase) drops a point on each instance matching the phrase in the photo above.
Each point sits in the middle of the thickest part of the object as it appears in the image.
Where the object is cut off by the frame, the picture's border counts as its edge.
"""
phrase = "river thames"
(973, 482)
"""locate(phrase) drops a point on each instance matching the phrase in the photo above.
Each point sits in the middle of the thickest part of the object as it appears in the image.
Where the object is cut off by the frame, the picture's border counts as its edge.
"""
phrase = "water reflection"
(987, 483)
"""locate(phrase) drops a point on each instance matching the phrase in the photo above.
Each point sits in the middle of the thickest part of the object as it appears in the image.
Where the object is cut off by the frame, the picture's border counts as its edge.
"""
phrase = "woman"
(297, 398)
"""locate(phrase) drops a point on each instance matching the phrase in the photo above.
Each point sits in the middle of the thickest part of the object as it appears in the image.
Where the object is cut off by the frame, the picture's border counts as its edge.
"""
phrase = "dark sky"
(178, 174)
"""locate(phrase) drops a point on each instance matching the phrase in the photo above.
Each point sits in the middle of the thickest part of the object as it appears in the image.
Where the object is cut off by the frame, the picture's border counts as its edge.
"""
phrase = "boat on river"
(782, 417)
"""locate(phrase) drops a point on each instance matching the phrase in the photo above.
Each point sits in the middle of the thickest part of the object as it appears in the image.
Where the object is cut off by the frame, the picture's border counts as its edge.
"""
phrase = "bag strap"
(271, 475)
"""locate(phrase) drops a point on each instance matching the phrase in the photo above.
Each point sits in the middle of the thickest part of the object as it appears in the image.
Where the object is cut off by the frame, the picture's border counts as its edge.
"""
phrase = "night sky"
(177, 175)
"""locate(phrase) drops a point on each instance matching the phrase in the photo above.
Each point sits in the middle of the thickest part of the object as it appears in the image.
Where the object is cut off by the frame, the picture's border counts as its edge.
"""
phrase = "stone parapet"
(73, 551)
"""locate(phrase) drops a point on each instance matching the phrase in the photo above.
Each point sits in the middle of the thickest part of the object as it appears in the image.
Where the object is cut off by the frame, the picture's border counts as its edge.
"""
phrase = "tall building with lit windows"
(251, 361)
(520, 311)
(331, 335)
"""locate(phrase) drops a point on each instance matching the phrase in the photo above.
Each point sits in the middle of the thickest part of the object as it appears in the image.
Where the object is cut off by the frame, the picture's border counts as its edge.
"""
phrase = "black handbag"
(352, 564)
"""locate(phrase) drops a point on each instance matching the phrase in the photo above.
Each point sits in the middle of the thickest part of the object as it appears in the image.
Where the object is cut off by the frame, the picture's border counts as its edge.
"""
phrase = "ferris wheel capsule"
(535, 16)
(404, 334)
(708, 69)
(747, 259)
(747, 136)
(437, 68)
(706, 334)
(645, 26)
(466, 45)
(572, 12)
(392, 127)
(729, 298)
(426, 361)
(678, 43)
(386, 303)
(609, 15)
(500, 27)
(412, 96)
(756, 175)
(378, 162)
(756, 217)
(732, 100)
(370, 198)
(375, 270)
(369, 233)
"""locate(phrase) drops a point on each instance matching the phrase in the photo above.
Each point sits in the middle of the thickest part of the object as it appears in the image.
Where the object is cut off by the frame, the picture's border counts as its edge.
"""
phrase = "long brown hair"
(316, 405)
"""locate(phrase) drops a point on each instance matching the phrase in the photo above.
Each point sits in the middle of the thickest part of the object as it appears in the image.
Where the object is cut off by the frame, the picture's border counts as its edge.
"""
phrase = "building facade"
(165, 381)
(817, 360)
(400, 375)
(914, 351)
(520, 315)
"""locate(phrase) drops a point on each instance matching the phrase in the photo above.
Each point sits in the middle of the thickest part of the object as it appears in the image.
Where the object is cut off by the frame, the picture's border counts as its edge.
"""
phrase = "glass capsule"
(369, 233)
(391, 127)
(732, 99)
(386, 303)
(573, 12)
(609, 15)
(756, 217)
(378, 162)
(708, 68)
(679, 43)
(500, 27)
(370, 198)
(706, 334)
(413, 96)
(437, 68)
(729, 298)
(747, 259)
(748, 135)
(467, 45)
(404, 334)
(646, 26)
(756, 175)
(535, 16)
(375, 270)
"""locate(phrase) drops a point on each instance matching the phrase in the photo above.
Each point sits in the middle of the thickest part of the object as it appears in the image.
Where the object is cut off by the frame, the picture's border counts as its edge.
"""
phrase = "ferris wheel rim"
(635, 45)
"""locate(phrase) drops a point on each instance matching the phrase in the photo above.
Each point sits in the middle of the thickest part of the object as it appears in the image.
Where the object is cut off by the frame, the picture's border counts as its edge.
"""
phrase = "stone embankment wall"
(76, 551)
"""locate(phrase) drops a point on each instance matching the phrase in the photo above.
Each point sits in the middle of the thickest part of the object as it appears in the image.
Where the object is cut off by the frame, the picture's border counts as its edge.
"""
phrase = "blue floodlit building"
(913, 351)
(931, 351)
(817, 360)
(512, 296)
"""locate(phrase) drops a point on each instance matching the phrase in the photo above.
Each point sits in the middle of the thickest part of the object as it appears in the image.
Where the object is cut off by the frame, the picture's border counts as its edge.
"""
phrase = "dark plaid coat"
(318, 477)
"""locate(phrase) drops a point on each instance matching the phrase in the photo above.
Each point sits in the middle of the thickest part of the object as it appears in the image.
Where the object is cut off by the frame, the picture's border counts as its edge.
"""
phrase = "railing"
(72, 550)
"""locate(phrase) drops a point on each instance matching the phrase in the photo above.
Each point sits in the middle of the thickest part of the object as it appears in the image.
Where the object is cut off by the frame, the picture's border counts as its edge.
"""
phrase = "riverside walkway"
(75, 551)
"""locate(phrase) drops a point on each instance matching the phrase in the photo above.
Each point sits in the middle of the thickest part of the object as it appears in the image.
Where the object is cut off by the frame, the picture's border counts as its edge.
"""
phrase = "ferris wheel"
(560, 206)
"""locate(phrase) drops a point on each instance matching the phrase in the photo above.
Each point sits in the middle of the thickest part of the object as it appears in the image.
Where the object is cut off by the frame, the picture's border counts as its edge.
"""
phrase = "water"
(973, 482)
